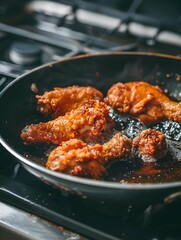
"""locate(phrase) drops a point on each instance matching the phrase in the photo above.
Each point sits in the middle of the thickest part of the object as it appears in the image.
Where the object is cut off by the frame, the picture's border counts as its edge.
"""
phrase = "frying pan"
(18, 108)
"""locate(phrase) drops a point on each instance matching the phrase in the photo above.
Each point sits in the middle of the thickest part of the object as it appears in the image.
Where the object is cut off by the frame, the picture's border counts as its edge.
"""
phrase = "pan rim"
(50, 64)
(79, 180)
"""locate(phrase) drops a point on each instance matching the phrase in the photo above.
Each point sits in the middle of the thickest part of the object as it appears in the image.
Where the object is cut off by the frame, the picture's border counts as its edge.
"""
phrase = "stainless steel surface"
(16, 224)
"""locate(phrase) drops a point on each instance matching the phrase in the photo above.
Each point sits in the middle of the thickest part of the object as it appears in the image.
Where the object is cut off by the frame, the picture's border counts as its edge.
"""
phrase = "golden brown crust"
(144, 101)
(151, 144)
(62, 100)
(77, 158)
(87, 122)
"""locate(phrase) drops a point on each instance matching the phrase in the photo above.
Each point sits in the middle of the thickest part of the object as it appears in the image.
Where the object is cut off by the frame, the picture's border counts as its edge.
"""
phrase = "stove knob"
(23, 53)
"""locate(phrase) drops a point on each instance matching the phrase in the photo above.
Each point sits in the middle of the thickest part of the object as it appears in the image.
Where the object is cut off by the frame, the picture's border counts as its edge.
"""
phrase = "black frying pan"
(18, 108)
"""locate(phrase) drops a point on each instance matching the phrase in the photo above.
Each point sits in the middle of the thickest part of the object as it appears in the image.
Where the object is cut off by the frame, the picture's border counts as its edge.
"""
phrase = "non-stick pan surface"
(18, 108)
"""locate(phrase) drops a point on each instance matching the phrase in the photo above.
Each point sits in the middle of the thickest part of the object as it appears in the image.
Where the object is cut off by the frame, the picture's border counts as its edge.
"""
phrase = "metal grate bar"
(62, 42)
(17, 197)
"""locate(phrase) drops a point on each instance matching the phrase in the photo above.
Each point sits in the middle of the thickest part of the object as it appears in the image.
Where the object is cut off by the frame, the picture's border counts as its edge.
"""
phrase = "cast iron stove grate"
(93, 220)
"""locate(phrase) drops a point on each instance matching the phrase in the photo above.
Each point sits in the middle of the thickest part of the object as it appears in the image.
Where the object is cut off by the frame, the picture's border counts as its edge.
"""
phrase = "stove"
(33, 33)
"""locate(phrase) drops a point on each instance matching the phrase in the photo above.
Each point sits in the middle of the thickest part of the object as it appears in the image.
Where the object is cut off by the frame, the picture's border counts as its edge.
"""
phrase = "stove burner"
(23, 53)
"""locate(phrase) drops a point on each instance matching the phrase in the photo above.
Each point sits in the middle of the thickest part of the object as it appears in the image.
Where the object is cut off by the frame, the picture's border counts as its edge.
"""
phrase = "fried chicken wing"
(146, 102)
(151, 145)
(63, 100)
(77, 158)
(87, 122)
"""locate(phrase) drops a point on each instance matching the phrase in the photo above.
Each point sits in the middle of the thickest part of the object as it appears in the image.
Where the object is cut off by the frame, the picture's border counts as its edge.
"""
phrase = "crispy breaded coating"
(77, 158)
(144, 101)
(87, 122)
(63, 100)
(151, 145)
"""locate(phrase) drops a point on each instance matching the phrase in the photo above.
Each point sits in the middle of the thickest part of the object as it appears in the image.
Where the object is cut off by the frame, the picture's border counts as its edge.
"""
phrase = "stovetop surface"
(54, 30)
(92, 219)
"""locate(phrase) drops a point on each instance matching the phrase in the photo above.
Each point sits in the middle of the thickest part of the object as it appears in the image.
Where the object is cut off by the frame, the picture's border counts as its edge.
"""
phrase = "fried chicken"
(77, 158)
(63, 100)
(146, 102)
(87, 122)
(151, 145)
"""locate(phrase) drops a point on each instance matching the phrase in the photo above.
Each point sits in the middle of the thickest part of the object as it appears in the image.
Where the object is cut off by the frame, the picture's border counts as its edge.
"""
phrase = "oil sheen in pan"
(132, 170)
(137, 171)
